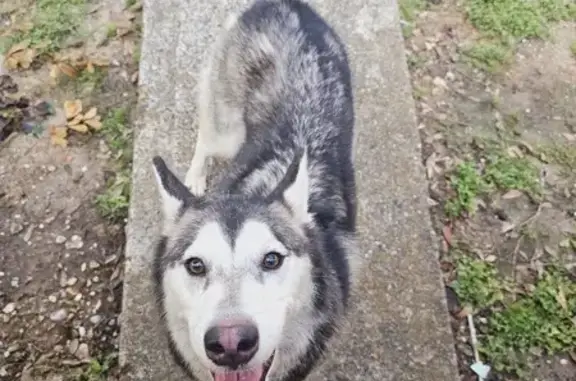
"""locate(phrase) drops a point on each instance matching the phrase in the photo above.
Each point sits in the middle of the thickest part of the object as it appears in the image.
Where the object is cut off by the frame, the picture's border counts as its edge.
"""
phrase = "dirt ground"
(61, 253)
(526, 109)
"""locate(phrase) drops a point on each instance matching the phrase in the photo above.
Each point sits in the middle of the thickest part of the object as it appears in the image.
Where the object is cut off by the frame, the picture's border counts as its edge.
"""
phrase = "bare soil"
(460, 108)
(61, 262)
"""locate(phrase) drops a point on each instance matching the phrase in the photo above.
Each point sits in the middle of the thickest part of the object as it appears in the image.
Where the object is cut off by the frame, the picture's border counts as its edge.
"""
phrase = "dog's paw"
(196, 182)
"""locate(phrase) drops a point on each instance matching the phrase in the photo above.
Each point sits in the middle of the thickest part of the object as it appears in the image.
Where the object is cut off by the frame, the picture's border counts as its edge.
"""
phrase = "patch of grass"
(53, 21)
(87, 82)
(538, 323)
(111, 30)
(563, 155)
(477, 285)
(501, 173)
(468, 184)
(97, 370)
(408, 12)
(490, 56)
(505, 173)
(136, 55)
(129, 3)
(517, 19)
(114, 202)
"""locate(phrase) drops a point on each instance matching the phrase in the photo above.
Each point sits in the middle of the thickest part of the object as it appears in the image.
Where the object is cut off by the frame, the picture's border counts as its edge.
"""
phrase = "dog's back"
(283, 74)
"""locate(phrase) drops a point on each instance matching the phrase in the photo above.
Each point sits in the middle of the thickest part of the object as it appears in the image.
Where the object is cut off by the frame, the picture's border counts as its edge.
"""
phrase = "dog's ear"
(293, 190)
(173, 192)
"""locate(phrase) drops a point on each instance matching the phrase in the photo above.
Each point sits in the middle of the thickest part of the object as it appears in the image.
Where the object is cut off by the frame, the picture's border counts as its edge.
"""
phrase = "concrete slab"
(399, 330)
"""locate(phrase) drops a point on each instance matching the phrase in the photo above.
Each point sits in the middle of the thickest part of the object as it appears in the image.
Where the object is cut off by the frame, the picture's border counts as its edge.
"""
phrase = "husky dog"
(254, 275)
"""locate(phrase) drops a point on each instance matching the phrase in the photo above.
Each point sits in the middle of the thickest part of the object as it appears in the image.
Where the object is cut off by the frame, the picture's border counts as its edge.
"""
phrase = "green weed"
(490, 56)
(97, 370)
(535, 324)
(517, 19)
(477, 285)
(501, 173)
(53, 21)
(467, 184)
(573, 48)
(408, 12)
(506, 173)
(114, 202)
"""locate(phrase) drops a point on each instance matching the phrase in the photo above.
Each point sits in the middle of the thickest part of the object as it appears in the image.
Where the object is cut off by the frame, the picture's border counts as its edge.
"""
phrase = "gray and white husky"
(254, 275)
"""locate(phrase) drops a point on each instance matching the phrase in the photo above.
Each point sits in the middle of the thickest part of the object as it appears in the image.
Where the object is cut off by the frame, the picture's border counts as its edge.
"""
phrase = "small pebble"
(95, 319)
(9, 308)
(60, 239)
(82, 353)
(93, 265)
(72, 281)
(75, 242)
(58, 316)
(73, 346)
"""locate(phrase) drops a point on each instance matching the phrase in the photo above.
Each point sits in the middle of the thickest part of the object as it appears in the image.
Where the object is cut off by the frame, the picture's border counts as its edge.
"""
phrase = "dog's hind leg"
(221, 130)
(197, 173)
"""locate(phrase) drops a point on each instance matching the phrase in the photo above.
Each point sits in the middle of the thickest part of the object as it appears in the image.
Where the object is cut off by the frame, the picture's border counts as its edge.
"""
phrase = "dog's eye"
(272, 261)
(195, 266)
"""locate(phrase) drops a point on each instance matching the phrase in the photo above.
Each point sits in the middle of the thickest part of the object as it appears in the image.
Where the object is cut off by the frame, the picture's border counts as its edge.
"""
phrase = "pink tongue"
(242, 375)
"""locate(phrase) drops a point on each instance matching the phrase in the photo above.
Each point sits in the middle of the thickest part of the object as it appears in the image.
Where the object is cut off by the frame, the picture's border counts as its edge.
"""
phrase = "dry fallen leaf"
(81, 122)
(20, 58)
(77, 120)
(72, 108)
(514, 193)
(82, 128)
(58, 136)
(90, 114)
(18, 47)
(67, 69)
(94, 123)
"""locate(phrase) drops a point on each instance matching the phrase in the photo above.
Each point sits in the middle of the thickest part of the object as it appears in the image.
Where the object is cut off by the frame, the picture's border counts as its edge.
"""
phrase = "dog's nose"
(231, 343)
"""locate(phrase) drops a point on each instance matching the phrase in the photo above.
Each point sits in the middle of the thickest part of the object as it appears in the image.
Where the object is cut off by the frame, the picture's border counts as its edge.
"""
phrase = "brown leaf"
(18, 47)
(72, 108)
(11, 63)
(464, 312)
(76, 120)
(68, 69)
(58, 136)
(21, 58)
(447, 233)
(94, 123)
(90, 114)
(514, 193)
(99, 61)
(82, 128)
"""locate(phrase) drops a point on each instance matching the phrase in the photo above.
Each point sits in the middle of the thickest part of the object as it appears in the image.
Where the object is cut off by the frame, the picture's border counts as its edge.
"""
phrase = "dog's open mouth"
(253, 374)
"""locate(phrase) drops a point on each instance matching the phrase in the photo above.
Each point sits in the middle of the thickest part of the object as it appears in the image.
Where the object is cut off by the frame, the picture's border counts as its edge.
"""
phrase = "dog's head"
(236, 273)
